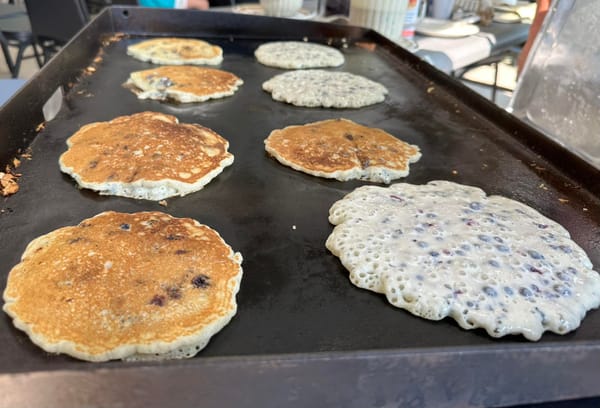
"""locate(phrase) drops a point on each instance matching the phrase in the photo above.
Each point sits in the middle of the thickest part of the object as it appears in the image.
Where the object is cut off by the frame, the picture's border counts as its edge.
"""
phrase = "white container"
(383, 16)
(442, 9)
(281, 8)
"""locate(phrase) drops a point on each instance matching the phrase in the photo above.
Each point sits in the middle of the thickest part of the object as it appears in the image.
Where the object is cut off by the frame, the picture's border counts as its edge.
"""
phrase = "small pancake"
(342, 150)
(125, 286)
(330, 89)
(298, 55)
(183, 83)
(147, 155)
(176, 51)
(447, 250)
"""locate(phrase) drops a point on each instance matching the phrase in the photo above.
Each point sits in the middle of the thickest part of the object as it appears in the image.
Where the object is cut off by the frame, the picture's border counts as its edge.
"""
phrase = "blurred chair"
(55, 22)
(15, 31)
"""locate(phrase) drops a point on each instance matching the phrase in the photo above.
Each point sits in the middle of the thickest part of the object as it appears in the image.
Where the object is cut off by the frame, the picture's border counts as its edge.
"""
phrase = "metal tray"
(303, 335)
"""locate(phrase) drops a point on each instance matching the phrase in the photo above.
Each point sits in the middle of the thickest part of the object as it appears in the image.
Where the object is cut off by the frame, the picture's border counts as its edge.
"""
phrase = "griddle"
(303, 334)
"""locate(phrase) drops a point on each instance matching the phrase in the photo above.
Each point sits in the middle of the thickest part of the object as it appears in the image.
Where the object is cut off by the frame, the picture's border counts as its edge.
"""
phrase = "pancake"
(298, 55)
(176, 51)
(183, 83)
(147, 155)
(444, 249)
(342, 150)
(330, 89)
(125, 286)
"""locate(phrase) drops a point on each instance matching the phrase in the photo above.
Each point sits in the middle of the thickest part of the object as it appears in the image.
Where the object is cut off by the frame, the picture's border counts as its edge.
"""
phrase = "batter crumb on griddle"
(8, 178)
(8, 184)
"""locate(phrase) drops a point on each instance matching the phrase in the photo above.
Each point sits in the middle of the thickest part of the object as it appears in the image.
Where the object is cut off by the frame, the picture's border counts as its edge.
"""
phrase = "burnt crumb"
(111, 39)
(369, 46)
(158, 300)
(174, 237)
(8, 183)
(125, 227)
(75, 240)
(85, 224)
(349, 136)
(93, 164)
(181, 252)
(173, 292)
(201, 281)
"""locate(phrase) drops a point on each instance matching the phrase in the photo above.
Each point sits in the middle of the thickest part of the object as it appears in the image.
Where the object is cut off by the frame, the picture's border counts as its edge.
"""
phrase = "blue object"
(157, 3)
(8, 87)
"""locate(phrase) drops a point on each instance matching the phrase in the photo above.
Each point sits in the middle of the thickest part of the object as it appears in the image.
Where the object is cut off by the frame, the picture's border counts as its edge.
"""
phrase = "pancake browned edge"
(125, 286)
(342, 150)
(183, 83)
(176, 51)
(147, 155)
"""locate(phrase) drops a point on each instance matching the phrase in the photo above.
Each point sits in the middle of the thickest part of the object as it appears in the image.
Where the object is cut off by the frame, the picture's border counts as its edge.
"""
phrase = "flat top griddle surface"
(295, 296)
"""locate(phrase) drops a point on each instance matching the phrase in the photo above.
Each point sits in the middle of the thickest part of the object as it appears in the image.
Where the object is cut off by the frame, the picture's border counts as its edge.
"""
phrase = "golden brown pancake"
(343, 150)
(183, 83)
(176, 51)
(125, 286)
(146, 155)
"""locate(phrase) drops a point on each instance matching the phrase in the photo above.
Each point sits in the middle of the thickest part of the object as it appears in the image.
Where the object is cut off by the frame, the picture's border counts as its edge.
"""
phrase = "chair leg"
(19, 59)
(495, 84)
(7, 57)
(36, 52)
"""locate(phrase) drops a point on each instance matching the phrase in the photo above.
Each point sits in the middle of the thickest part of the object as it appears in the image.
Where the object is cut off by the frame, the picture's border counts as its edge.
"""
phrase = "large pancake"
(176, 51)
(125, 286)
(183, 83)
(146, 155)
(343, 150)
(447, 250)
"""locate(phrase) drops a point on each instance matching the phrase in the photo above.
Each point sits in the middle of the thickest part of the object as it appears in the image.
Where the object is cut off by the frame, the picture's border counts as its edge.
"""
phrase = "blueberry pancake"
(125, 286)
(342, 150)
(176, 51)
(183, 83)
(445, 249)
(329, 89)
(147, 155)
(298, 55)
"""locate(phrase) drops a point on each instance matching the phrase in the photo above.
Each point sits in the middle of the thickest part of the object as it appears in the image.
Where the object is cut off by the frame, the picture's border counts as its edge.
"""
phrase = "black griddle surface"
(295, 296)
